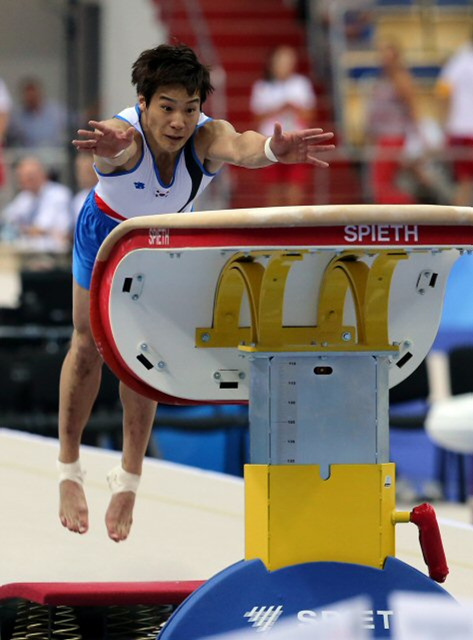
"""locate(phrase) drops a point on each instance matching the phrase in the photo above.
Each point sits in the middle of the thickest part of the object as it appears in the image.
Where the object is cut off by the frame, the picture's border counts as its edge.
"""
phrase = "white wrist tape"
(120, 480)
(70, 471)
(110, 160)
(268, 152)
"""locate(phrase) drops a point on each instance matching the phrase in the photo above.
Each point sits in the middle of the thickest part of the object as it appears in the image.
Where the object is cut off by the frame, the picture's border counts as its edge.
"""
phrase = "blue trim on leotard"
(92, 227)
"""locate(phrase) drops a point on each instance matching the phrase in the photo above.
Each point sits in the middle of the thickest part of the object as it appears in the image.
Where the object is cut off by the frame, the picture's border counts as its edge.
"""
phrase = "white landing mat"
(188, 523)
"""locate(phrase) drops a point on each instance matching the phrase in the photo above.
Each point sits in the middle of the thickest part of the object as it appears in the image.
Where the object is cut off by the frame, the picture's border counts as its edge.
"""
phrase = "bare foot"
(119, 516)
(73, 511)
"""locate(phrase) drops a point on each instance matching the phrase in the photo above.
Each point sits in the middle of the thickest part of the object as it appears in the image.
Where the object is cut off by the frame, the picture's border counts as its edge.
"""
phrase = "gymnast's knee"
(84, 350)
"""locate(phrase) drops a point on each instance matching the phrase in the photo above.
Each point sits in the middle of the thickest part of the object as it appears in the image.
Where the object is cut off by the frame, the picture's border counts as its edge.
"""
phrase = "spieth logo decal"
(263, 618)
(382, 233)
(158, 237)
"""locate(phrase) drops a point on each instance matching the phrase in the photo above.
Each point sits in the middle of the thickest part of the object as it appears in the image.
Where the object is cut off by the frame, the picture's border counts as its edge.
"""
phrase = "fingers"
(103, 137)
(90, 142)
(277, 131)
(320, 147)
(85, 145)
(318, 136)
(306, 134)
(309, 133)
(100, 126)
(313, 159)
(87, 132)
(90, 134)
(317, 162)
(104, 131)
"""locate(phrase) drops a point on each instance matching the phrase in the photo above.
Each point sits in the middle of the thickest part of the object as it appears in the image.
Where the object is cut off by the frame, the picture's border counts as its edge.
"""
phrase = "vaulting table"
(310, 314)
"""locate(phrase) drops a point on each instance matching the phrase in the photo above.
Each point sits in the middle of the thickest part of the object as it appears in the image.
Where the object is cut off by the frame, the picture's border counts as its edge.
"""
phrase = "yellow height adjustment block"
(293, 516)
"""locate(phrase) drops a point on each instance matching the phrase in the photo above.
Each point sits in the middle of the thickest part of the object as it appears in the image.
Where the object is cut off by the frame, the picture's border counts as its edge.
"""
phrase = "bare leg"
(79, 385)
(138, 418)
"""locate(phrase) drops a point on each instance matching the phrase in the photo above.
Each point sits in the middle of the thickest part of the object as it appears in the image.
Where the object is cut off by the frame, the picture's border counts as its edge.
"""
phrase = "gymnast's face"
(170, 118)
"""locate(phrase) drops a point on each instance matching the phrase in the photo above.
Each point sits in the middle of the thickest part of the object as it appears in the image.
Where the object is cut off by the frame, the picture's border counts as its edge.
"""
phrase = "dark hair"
(168, 65)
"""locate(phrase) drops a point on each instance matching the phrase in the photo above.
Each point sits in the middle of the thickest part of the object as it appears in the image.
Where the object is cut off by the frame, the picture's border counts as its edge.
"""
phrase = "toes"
(82, 527)
(118, 531)
(116, 536)
(73, 512)
(74, 525)
(118, 518)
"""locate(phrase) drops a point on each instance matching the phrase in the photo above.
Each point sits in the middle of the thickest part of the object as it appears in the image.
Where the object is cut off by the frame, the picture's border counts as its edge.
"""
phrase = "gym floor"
(188, 524)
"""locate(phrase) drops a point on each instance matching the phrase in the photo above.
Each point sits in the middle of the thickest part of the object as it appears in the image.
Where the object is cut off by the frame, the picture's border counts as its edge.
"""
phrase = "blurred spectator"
(36, 121)
(5, 109)
(287, 97)
(455, 89)
(40, 216)
(355, 17)
(359, 24)
(425, 174)
(391, 117)
(86, 179)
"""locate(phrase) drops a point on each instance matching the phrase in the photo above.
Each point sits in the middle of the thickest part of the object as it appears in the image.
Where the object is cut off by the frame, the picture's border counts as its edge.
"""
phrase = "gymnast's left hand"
(291, 147)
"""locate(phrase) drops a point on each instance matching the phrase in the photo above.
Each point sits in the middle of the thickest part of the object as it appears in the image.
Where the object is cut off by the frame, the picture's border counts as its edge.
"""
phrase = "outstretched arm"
(112, 143)
(248, 149)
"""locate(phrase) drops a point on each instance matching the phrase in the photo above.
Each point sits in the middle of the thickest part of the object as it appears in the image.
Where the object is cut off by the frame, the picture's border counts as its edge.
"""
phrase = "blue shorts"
(92, 228)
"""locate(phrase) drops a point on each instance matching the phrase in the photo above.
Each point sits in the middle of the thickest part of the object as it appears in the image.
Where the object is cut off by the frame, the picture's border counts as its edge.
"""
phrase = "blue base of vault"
(224, 602)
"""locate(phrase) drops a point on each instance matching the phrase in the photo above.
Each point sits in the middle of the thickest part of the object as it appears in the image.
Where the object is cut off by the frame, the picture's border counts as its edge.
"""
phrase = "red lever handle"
(430, 541)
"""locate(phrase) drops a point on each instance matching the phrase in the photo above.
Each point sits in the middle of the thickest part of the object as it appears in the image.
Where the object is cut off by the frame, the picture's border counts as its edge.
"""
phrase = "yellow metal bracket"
(241, 275)
(265, 286)
(369, 287)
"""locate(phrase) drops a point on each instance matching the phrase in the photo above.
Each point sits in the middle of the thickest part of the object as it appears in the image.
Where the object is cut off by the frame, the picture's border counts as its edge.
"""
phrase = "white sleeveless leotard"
(140, 192)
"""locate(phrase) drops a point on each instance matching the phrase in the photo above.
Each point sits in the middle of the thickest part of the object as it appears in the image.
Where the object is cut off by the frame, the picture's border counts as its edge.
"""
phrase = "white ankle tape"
(70, 471)
(120, 480)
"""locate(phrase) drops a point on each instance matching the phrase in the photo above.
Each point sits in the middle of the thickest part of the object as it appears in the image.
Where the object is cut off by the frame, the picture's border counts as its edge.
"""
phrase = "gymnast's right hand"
(107, 140)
